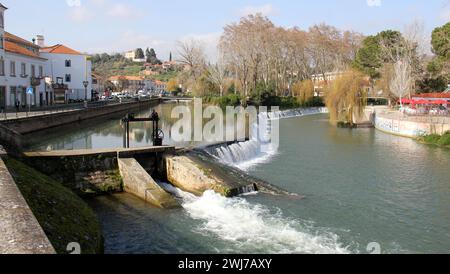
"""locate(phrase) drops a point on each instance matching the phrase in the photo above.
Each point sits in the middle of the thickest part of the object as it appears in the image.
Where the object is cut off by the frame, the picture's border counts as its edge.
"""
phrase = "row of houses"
(35, 74)
(134, 84)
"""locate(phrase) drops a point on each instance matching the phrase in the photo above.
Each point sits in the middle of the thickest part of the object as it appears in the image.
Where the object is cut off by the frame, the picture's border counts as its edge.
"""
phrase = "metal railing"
(12, 113)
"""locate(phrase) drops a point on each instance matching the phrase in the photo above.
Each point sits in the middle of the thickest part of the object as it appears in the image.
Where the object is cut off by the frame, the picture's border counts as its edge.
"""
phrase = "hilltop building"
(131, 55)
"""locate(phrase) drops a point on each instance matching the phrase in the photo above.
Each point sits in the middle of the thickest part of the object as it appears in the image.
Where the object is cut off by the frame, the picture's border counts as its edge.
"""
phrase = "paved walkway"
(21, 115)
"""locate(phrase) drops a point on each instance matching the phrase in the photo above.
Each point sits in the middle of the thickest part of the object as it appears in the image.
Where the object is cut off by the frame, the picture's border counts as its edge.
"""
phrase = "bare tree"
(402, 80)
(192, 55)
(404, 56)
(217, 74)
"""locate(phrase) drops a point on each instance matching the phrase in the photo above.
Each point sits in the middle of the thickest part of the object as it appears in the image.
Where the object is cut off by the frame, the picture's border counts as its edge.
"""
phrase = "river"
(360, 187)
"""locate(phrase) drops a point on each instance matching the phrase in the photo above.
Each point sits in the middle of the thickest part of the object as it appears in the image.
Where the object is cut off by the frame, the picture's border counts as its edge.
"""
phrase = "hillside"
(108, 65)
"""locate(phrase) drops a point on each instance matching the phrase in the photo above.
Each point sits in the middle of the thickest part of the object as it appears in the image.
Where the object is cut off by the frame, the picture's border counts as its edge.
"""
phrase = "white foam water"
(258, 150)
(253, 228)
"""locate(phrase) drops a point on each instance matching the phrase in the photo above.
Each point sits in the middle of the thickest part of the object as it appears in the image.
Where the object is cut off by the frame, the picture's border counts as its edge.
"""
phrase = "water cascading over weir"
(258, 149)
(220, 167)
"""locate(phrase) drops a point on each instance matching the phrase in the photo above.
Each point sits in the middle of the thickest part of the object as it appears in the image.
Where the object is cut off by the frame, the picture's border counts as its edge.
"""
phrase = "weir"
(218, 167)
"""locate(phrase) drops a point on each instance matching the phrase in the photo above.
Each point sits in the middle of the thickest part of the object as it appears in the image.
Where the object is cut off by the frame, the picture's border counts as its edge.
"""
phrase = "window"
(2, 67)
(12, 96)
(23, 70)
(1, 42)
(68, 78)
(41, 71)
(68, 63)
(33, 71)
(2, 98)
(12, 71)
(2, 20)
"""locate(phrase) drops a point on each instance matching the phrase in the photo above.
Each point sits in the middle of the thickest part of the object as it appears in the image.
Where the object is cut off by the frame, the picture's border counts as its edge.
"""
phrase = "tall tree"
(192, 55)
(139, 54)
(347, 97)
(151, 57)
(440, 65)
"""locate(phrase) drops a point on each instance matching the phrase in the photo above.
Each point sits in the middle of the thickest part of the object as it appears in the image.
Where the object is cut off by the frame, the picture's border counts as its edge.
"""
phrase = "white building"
(155, 86)
(128, 84)
(52, 74)
(69, 70)
(21, 68)
(131, 55)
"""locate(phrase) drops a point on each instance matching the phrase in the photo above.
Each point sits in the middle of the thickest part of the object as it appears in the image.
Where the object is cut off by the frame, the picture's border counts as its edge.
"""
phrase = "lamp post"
(85, 84)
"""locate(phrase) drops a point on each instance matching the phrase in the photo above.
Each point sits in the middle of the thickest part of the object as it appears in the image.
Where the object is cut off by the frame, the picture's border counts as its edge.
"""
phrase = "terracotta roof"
(14, 38)
(60, 49)
(17, 49)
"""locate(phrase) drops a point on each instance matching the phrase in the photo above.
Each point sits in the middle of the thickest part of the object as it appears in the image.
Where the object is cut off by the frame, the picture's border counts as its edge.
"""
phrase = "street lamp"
(85, 84)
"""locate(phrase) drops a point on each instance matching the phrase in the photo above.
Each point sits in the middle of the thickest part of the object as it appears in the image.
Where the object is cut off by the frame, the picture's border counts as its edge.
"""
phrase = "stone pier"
(138, 182)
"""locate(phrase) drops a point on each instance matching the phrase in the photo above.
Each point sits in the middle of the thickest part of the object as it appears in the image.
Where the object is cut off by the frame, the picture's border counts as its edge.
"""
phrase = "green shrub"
(432, 139)
(64, 216)
(444, 140)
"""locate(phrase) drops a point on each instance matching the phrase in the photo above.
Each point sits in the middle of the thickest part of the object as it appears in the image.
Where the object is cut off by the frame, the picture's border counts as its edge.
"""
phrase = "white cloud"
(73, 3)
(374, 3)
(265, 10)
(123, 11)
(80, 14)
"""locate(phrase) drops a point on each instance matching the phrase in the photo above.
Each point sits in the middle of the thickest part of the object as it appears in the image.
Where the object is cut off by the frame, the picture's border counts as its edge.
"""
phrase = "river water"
(360, 187)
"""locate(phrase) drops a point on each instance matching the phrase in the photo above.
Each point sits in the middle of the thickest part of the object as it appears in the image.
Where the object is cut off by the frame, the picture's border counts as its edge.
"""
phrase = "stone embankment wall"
(412, 127)
(20, 232)
(85, 175)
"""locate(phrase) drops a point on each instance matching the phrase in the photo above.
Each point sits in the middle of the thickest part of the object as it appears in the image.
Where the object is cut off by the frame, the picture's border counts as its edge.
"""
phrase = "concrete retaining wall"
(138, 182)
(412, 128)
(20, 232)
(10, 137)
(89, 172)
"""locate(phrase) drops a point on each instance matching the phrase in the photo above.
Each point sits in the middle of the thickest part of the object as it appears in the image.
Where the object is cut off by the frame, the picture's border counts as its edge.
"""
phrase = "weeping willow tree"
(347, 96)
(304, 91)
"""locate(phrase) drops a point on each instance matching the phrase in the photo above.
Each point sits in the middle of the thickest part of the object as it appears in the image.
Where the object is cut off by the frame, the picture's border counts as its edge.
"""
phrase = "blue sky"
(119, 25)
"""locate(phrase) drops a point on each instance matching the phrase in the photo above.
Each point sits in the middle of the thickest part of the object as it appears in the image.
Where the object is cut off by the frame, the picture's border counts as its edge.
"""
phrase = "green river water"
(360, 186)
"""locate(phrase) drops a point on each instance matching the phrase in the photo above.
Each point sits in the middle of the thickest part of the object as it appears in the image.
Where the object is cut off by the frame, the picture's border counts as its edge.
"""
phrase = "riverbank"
(396, 123)
(436, 140)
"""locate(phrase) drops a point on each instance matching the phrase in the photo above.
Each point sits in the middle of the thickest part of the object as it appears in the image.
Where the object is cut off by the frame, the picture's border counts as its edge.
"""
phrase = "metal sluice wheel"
(160, 135)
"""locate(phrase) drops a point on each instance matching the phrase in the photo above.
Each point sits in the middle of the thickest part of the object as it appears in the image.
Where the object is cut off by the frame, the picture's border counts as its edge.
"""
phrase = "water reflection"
(109, 133)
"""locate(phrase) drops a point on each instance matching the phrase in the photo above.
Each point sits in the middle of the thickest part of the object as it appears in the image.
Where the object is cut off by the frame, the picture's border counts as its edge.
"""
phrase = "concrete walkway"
(123, 152)
(20, 232)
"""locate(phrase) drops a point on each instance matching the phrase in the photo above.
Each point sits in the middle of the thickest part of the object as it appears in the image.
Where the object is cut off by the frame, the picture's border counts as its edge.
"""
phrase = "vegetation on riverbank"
(346, 97)
(436, 140)
(267, 99)
(64, 216)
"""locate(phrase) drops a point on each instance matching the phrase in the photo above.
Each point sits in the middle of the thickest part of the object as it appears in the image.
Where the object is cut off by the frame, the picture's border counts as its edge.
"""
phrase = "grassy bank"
(64, 216)
(436, 140)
